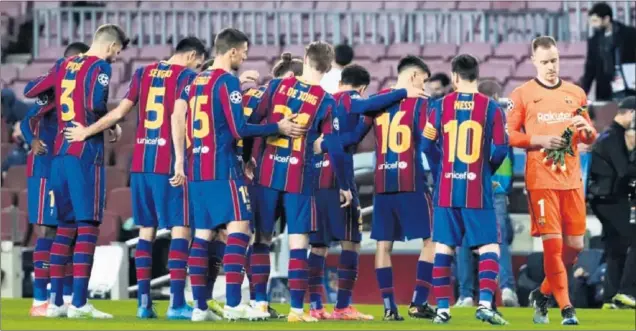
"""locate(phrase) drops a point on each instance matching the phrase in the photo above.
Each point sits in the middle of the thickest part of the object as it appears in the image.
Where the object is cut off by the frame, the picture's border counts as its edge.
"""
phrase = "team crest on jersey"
(568, 100)
(236, 97)
(356, 96)
(510, 105)
(103, 79)
(187, 89)
(42, 100)
(336, 124)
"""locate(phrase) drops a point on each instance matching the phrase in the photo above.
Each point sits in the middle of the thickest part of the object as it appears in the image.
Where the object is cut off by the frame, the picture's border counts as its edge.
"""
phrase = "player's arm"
(29, 123)
(355, 137)
(499, 140)
(43, 83)
(98, 90)
(516, 130)
(377, 102)
(178, 127)
(430, 133)
(586, 132)
(334, 148)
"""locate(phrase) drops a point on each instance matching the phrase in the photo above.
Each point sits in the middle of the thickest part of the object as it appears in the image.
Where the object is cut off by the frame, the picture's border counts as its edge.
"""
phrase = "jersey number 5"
(458, 137)
(204, 127)
(153, 106)
(283, 142)
(68, 106)
(395, 136)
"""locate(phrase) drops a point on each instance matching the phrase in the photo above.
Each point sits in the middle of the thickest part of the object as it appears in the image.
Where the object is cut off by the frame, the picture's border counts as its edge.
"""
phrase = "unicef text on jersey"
(394, 165)
(461, 175)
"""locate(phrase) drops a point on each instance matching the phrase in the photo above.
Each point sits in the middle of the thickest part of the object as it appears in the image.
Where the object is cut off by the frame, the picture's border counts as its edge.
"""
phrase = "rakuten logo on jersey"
(201, 150)
(322, 164)
(553, 117)
(394, 165)
(151, 141)
(460, 175)
(284, 159)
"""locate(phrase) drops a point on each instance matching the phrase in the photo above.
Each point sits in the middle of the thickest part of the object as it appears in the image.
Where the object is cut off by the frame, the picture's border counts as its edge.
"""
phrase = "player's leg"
(507, 279)
(385, 228)
(465, 271)
(447, 234)
(482, 231)
(216, 252)
(300, 213)
(142, 190)
(320, 240)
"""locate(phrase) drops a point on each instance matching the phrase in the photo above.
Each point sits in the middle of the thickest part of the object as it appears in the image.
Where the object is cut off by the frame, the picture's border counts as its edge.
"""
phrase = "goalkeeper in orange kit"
(548, 119)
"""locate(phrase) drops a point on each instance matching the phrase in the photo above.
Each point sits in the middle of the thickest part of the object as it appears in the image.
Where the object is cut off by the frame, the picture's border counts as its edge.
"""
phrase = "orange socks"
(556, 276)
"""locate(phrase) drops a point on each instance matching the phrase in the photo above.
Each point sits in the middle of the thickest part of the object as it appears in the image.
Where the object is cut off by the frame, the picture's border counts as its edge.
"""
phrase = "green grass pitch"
(14, 316)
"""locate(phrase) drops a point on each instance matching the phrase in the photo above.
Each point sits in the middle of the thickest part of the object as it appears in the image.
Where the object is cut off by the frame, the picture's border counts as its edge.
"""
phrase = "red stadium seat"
(50, 54)
(23, 200)
(439, 51)
(479, 50)
(371, 52)
(16, 177)
(439, 5)
(512, 84)
(14, 224)
(9, 197)
(552, 6)
(474, 5)
(403, 6)
(155, 53)
(516, 51)
(371, 6)
(9, 73)
(261, 66)
(494, 71)
(373, 87)
(509, 5)
(123, 157)
(503, 62)
(295, 5)
(258, 5)
(525, 70)
(222, 4)
(574, 50)
(109, 229)
(397, 51)
(118, 200)
(115, 178)
(332, 6)
(18, 88)
(34, 70)
(268, 53)
(295, 50)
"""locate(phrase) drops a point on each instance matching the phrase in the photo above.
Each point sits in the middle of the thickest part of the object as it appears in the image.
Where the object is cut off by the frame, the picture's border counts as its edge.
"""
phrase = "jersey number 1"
(458, 137)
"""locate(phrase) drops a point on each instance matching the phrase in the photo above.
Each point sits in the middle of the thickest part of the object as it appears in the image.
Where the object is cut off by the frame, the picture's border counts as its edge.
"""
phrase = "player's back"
(212, 151)
(156, 87)
(468, 124)
(286, 163)
(397, 130)
(81, 89)
(548, 111)
(251, 100)
(43, 127)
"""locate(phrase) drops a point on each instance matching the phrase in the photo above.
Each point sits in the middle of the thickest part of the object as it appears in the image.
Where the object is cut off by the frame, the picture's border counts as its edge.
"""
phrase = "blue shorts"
(79, 189)
(219, 202)
(41, 202)
(335, 223)
(401, 216)
(158, 204)
(298, 210)
(477, 227)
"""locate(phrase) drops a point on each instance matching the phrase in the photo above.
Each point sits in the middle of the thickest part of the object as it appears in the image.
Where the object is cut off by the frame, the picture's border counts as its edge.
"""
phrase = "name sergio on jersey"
(550, 118)
(283, 159)
(151, 141)
(461, 175)
(394, 165)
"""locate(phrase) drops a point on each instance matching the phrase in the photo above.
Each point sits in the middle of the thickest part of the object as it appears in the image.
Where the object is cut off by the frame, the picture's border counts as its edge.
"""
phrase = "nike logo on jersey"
(537, 100)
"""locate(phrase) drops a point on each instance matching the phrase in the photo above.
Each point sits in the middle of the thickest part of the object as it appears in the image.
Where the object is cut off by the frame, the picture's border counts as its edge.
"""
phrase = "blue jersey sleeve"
(354, 137)
(431, 130)
(43, 83)
(334, 146)
(98, 91)
(183, 84)
(376, 102)
(135, 86)
(499, 138)
(42, 106)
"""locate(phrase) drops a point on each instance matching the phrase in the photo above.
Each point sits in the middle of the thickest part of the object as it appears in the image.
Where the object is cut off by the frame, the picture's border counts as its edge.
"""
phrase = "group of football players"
(218, 166)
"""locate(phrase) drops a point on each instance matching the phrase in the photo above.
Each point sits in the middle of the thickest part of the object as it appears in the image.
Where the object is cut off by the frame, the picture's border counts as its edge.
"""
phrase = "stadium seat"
(494, 71)
(34, 70)
(512, 84)
(23, 201)
(50, 54)
(118, 200)
(13, 224)
(6, 147)
(439, 51)
(295, 50)
(371, 52)
(109, 229)
(4, 128)
(222, 4)
(509, 5)
(123, 157)
(268, 53)
(514, 50)
(115, 178)
(261, 66)
(509, 63)
(332, 6)
(447, 5)
(397, 51)
(369, 6)
(525, 70)
(156, 52)
(474, 5)
(574, 50)
(479, 50)
(402, 6)
(9, 73)
(551, 6)
(16, 177)
(9, 197)
(373, 87)
(258, 5)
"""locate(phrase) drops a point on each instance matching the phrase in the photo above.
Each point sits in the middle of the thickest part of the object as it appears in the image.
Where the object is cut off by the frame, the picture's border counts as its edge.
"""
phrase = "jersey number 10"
(458, 137)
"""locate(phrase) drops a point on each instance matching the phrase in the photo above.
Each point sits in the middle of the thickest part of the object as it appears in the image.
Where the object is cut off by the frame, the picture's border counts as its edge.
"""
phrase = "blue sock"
(423, 282)
(316, 274)
(488, 273)
(60, 255)
(233, 265)
(177, 262)
(260, 268)
(41, 268)
(298, 276)
(198, 268)
(83, 261)
(68, 279)
(215, 262)
(441, 280)
(143, 266)
(347, 275)
(385, 282)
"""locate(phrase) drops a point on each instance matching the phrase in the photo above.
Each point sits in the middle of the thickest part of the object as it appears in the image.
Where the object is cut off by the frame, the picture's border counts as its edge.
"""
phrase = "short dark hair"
(320, 55)
(344, 54)
(112, 32)
(543, 42)
(75, 48)
(229, 38)
(489, 87)
(441, 77)
(626, 105)
(412, 61)
(355, 75)
(466, 66)
(601, 9)
(207, 64)
(287, 63)
(191, 44)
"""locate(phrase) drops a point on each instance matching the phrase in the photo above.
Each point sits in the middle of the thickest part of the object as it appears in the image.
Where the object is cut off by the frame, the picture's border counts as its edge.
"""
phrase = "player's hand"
(17, 132)
(345, 198)
(249, 76)
(38, 147)
(581, 123)
(250, 167)
(289, 128)
(179, 177)
(115, 133)
(549, 142)
(76, 133)
(413, 92)
(317, 144)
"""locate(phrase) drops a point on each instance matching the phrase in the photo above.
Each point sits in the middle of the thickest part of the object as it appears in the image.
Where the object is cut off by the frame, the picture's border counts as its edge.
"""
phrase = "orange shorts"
(557, 212)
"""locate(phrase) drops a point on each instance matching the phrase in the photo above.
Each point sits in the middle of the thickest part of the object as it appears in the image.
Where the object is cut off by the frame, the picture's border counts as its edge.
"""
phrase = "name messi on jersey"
(298, 94)
(464, 105)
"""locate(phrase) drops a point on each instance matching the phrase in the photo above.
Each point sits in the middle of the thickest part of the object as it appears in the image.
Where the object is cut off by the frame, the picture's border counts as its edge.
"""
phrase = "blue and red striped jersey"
(215, 123)
(40, 123)
(284, 163)
(156, 87)
(81, 91)
(466, 125)
(251, 100)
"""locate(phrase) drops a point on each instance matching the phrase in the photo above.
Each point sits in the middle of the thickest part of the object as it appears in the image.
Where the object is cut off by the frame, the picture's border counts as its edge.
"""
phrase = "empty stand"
(118, 201)
(16, 177)
(9, 197)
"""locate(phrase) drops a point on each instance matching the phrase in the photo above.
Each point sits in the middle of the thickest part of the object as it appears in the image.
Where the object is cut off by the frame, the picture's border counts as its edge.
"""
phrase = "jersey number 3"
(458, 137)
(68, 106)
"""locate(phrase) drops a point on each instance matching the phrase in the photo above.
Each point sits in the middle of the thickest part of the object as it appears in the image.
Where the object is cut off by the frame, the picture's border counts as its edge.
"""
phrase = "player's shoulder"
(572, 88)
(530, 86)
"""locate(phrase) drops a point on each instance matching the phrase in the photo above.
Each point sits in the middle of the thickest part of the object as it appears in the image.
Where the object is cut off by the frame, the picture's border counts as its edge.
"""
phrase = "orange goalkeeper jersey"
(537, 109)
